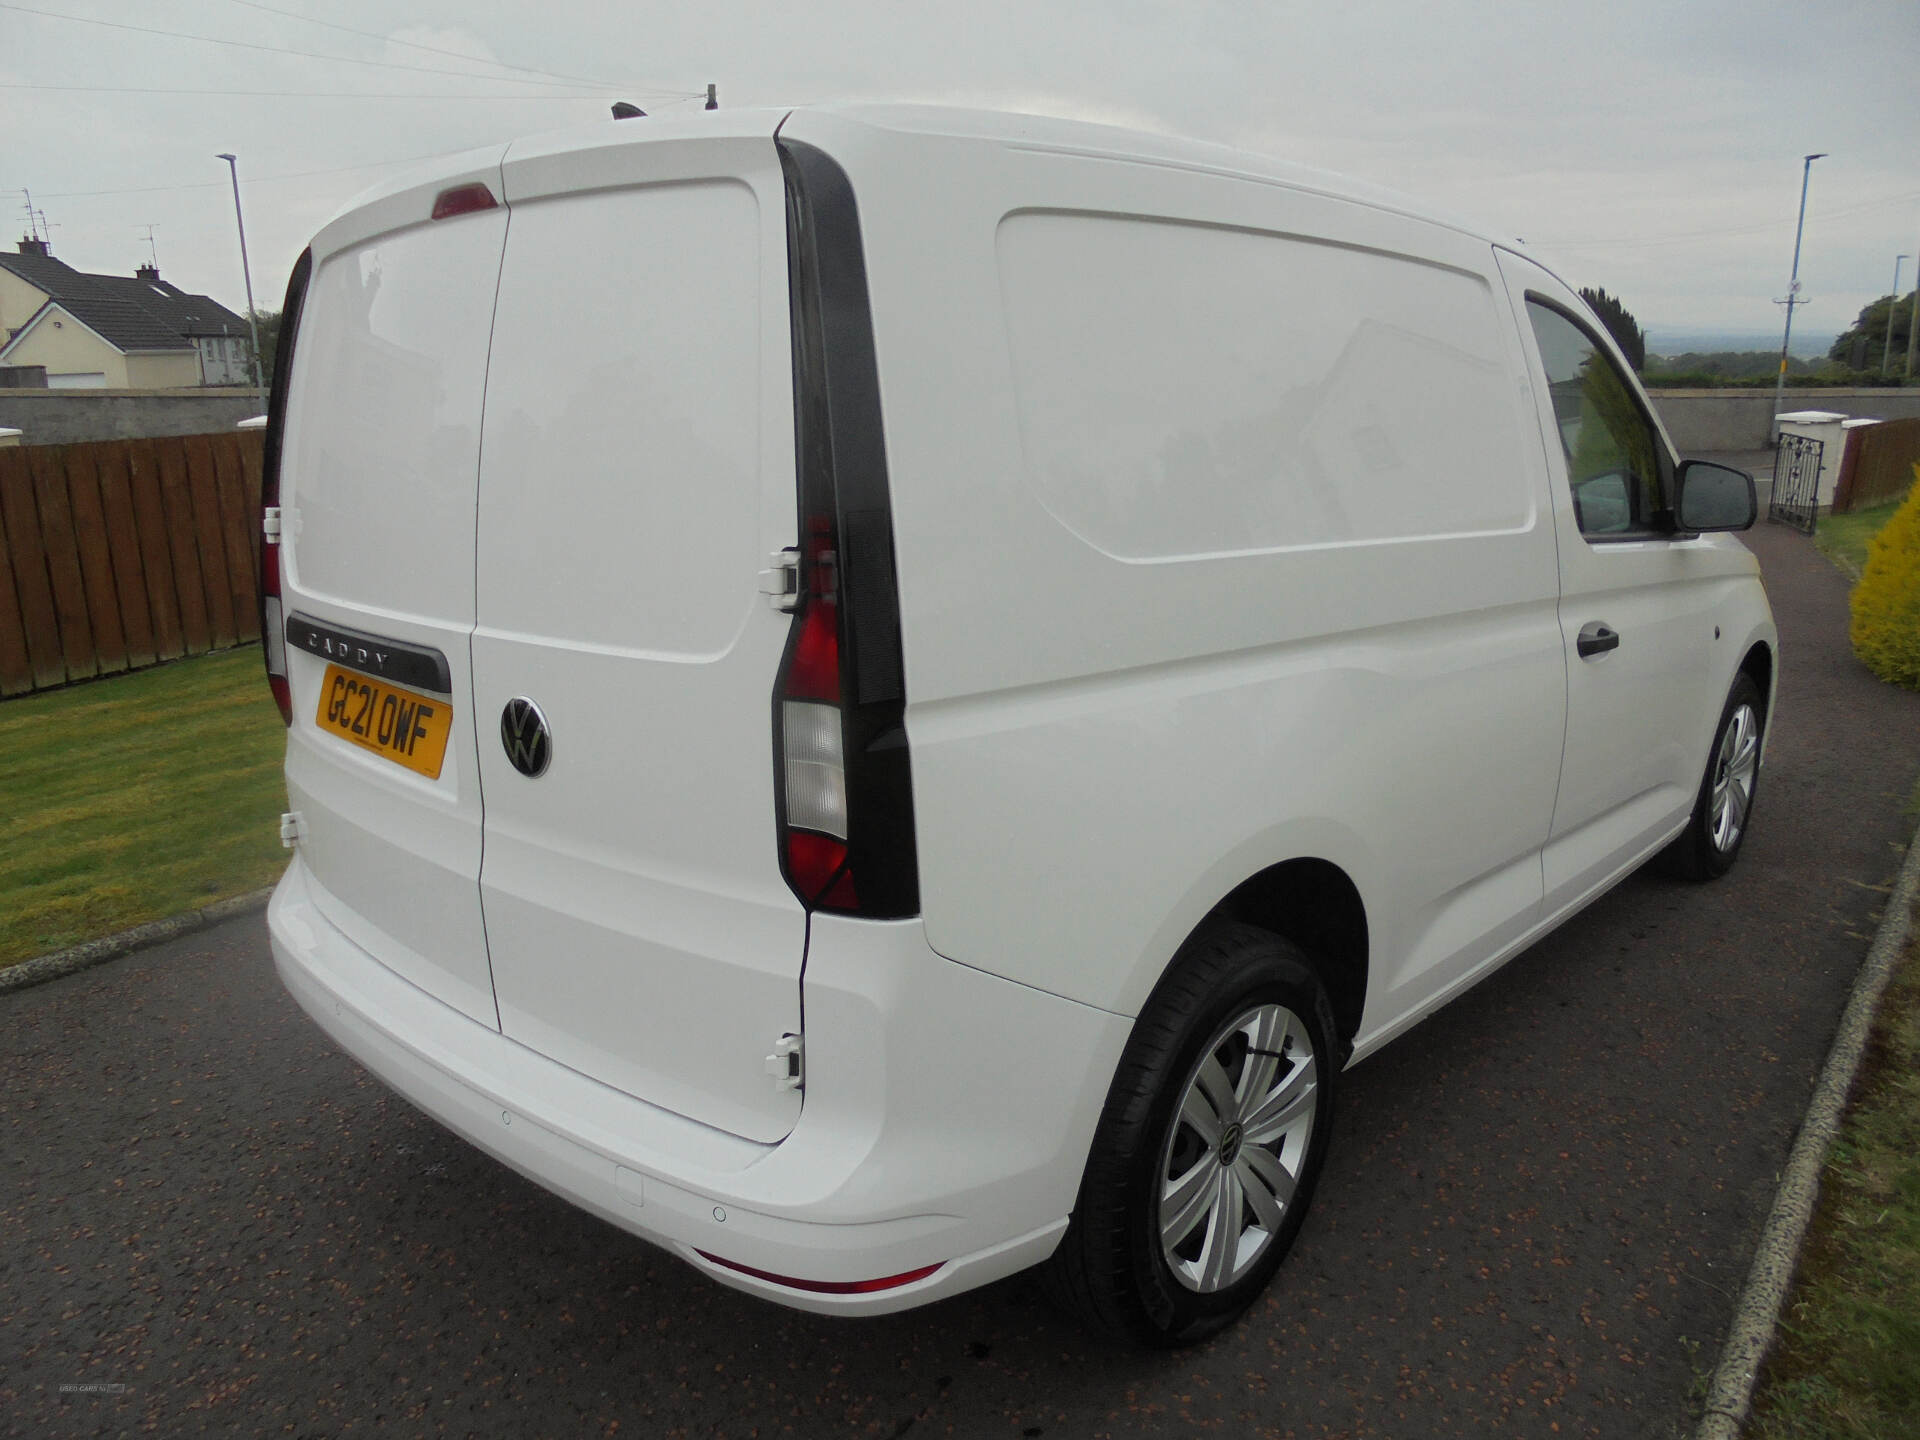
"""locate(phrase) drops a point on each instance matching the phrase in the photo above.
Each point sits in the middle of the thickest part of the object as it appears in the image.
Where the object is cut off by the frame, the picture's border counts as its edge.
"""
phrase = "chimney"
(147, 272)
(30, 245)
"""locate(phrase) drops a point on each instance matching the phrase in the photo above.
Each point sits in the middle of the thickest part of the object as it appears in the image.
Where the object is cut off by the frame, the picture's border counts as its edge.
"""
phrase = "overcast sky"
(1650, 148)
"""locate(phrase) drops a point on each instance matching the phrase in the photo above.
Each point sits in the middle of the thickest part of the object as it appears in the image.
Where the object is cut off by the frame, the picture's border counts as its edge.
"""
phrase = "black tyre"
(1213, 1135)
(1723, 810)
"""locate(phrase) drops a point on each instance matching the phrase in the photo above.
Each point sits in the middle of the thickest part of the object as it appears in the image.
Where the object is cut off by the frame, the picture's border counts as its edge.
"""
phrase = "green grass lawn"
(1848, 1360)
(1843, 538)
(137, 797)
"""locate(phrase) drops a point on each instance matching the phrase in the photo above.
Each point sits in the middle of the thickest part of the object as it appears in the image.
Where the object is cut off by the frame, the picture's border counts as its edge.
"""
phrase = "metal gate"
(1796, 483)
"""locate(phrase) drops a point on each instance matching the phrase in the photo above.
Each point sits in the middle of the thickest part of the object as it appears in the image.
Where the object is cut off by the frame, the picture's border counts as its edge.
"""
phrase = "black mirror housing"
(1709, 497)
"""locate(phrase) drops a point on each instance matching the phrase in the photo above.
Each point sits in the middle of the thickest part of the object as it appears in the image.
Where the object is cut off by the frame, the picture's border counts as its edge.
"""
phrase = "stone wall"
(61, 417)
(1701, 421)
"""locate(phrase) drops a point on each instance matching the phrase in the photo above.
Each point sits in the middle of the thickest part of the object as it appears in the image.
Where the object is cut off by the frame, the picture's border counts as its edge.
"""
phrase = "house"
(114, 332)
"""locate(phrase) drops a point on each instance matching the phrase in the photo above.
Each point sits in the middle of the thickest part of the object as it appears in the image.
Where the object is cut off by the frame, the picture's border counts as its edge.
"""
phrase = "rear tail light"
(273, 640)
(845, 788)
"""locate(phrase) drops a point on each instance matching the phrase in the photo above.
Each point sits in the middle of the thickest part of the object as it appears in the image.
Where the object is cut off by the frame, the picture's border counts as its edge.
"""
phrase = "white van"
(881, 696)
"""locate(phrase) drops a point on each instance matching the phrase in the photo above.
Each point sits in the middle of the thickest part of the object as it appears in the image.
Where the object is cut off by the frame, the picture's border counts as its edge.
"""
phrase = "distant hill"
(1664, 341)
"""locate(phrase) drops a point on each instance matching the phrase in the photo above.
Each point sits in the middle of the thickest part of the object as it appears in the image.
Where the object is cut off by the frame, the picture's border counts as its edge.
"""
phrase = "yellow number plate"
(398, 725)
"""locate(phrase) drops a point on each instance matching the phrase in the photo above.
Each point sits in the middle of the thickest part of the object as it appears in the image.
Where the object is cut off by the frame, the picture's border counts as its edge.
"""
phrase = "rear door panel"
(637, 470)
(379, 467)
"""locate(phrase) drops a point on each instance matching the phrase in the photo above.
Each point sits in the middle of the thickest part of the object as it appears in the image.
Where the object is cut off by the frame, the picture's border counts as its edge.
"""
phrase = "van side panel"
(637, 471)
(378, 470)
(1220, 544)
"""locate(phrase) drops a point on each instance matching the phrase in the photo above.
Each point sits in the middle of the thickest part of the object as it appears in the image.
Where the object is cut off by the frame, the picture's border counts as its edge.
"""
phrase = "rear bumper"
(946, 1120)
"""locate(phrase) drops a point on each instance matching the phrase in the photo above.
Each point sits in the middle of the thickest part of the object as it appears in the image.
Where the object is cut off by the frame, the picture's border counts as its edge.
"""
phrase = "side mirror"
(1713, 497)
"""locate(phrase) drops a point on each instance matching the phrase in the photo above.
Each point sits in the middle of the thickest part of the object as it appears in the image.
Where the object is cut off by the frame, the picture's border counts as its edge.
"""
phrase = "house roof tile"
(130, 312)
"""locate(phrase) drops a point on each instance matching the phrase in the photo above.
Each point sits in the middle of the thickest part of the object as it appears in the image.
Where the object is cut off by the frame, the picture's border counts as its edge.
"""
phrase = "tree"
(268, 322)
(1872, 327)
(1620, 323)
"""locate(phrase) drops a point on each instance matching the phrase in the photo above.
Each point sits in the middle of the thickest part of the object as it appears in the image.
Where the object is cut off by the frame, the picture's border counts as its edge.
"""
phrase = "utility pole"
(1893, 306)
(1793, 285)
(233, 168)
(1913, 320)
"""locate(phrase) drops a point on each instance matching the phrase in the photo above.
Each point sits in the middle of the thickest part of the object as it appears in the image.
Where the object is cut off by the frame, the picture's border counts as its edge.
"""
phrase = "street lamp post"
(1913, 321)
(1793, 285)
(246, 271)
(1893, 305)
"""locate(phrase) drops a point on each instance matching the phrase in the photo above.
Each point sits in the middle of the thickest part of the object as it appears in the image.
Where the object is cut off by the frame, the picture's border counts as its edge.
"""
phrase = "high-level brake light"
(463, 200)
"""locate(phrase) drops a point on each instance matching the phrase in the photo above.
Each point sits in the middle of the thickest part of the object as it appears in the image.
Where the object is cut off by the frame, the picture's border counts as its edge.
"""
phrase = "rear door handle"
(1596, 638)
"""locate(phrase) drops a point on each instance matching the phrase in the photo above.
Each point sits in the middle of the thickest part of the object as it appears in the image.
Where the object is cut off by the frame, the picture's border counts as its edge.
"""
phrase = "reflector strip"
(828, 1287)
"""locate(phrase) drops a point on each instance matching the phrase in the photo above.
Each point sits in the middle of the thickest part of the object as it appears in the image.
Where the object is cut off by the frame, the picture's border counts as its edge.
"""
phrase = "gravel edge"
(1756, 1316)
(71, 961)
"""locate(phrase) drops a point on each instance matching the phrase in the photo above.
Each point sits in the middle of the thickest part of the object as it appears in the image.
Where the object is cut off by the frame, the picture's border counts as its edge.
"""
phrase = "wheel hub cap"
(1230, 1139)
(1735, 768)
(1237, 1146)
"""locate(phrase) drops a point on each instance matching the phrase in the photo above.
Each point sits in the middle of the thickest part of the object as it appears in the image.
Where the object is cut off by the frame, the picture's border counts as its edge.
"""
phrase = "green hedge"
(1886, 603)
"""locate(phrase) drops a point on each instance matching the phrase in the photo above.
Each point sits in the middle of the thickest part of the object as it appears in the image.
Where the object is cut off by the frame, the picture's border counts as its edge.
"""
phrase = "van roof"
(1000, 127)
(1085, 137)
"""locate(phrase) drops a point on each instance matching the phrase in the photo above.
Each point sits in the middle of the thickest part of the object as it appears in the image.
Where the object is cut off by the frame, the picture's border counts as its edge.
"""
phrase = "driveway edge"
(111, 947)
(1756, 1316)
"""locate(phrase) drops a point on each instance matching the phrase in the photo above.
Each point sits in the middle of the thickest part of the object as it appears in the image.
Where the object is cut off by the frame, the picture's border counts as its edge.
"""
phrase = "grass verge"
(1843, 538)
(1847, 1363)
(134, 798)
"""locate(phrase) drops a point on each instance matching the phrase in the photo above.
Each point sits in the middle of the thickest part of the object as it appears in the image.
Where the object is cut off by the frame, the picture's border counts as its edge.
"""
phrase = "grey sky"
(1650, 148)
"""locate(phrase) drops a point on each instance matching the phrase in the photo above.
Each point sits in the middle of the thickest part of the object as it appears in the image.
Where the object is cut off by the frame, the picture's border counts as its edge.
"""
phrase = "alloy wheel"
(1733, 775)
(1233, 1158)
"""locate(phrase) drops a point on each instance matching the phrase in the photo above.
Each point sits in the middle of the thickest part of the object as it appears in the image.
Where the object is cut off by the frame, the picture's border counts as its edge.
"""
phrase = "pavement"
(1538, 1209)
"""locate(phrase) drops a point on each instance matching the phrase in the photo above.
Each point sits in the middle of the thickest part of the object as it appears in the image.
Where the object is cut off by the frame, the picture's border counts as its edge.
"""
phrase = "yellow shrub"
(1886, 602)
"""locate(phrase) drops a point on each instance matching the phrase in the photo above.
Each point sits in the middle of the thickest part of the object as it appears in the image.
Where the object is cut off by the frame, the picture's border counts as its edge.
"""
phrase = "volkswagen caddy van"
(883, 696)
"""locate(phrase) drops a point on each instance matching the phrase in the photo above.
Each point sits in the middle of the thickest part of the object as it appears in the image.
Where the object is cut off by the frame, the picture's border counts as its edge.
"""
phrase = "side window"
(1612, 452)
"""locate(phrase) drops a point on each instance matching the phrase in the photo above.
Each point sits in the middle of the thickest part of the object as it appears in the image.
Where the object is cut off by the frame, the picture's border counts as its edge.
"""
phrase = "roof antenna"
(152, 251)
(624, 111)
(712, 103)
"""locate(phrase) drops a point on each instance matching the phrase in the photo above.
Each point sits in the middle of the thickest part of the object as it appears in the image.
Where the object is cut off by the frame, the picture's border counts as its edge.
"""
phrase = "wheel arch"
(1315, 904)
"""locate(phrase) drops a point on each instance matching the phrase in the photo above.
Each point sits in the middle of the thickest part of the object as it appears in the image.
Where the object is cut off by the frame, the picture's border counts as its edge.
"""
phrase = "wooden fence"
(123, 553)
(1878, 466)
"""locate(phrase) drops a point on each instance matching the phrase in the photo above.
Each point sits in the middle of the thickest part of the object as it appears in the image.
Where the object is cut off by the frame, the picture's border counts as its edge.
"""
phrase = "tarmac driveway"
(1538, 1209)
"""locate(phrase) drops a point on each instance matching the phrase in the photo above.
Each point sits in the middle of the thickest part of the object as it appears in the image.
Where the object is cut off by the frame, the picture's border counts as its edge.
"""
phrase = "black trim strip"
(290, 312)
(420, 666)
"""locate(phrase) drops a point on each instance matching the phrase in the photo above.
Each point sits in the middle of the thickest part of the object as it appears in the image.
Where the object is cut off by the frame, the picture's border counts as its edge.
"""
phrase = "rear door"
(637, 470)
(379, 459)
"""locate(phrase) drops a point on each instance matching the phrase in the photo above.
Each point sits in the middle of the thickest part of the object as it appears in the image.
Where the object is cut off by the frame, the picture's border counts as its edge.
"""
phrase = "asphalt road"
(1539, 1207)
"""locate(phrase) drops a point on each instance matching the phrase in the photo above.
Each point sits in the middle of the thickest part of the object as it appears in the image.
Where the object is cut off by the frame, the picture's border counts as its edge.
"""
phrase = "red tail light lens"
(818, 865)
